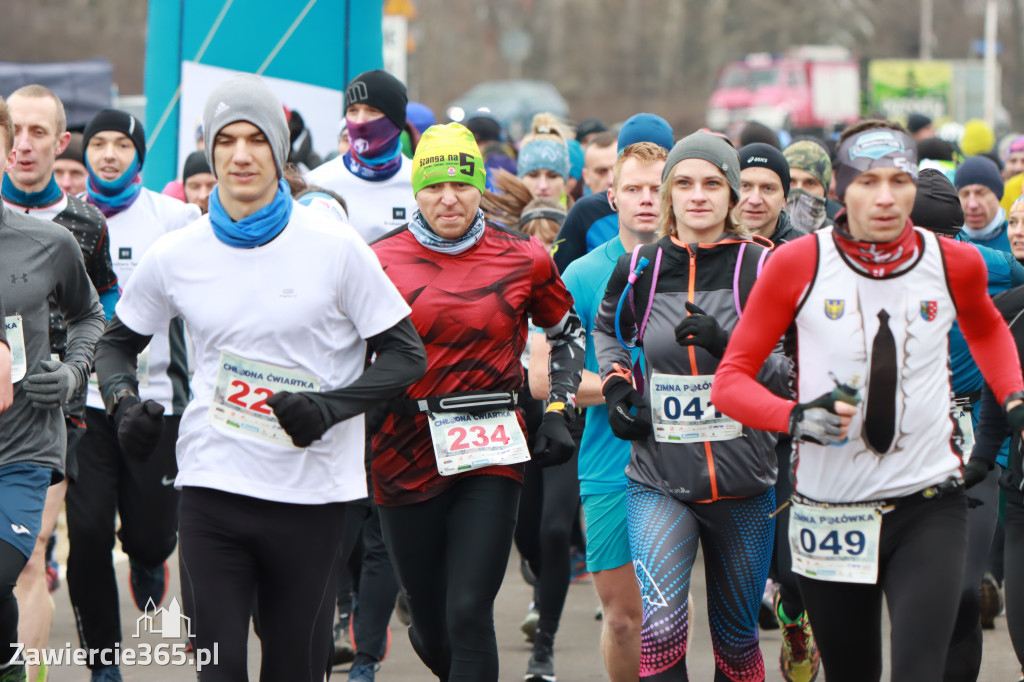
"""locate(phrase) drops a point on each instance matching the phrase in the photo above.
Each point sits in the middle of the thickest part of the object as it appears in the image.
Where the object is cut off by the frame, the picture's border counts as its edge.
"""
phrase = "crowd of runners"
(347, 388)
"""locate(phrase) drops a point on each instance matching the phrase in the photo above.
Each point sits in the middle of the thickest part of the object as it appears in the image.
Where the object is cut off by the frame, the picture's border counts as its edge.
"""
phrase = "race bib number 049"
(683, 413)
(463, 441)
(16, 340)
(239, 404)
(835, 543)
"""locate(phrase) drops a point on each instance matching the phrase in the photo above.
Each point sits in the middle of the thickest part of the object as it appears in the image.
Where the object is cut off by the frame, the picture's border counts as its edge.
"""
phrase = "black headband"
(542, 214)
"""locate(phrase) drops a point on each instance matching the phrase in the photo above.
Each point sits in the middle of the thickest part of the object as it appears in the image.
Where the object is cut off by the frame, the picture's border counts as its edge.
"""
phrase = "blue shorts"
(607, 531)
(23, 487)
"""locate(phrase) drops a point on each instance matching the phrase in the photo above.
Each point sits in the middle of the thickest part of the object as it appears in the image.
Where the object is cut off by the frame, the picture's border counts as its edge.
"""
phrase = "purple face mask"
(372, 139)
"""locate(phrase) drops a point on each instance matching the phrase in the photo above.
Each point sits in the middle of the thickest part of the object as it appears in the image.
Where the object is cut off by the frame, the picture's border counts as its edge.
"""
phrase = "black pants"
(233, 548)
(109, 483)
(920, 572)
(963, 662)
(782, 560)
(550, 502)
(377, 586)
(12, 561)
(1014, 571)
(450, 553)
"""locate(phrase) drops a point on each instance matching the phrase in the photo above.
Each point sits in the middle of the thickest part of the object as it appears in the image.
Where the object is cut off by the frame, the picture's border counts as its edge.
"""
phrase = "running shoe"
(990, 602)
(798, 659)
(344, 651)
(364, 672)
(541, 667)
(529, 624)
(13, 673)
(110, 673)
(148, 583)
(766, 614)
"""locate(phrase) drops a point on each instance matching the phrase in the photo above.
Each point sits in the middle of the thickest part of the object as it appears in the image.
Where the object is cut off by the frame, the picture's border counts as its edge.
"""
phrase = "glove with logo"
(620, 396)
(816, 421)
(553, 444)
(52, 386)
(299, 416)
(138, 426)
(700, 329)
(975, 471)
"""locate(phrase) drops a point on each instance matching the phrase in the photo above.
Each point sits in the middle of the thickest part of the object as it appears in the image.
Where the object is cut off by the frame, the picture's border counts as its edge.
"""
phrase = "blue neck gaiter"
(116, 195)
(256, 229)
(44, 197)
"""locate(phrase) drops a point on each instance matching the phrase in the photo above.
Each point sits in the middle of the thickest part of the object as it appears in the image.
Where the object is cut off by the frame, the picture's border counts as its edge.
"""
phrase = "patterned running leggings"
(737, 536)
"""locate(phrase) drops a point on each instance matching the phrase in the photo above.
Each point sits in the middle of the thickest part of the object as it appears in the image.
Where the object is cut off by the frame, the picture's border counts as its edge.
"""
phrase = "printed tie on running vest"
(880, 410)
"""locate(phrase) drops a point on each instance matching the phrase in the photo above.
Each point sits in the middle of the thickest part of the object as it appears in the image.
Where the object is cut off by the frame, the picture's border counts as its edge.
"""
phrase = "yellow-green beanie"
(978, 138)
(448, 153)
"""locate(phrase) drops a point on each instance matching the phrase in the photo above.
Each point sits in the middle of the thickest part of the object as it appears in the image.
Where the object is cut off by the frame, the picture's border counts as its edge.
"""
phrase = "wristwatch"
(559, 406)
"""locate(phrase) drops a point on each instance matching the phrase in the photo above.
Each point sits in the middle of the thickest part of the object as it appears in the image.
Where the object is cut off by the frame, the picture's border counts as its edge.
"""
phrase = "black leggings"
(232, 548)
(920, 572)
(548, 514)
(963, 662)
(12, 561)
(107, 484)
(549, 505)
(782, 560)
(450, 553)
(376, 584)
(1014, 570)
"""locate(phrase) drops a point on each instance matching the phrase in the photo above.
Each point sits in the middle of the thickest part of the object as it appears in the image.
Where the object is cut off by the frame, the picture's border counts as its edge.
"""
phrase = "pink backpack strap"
(650, 298)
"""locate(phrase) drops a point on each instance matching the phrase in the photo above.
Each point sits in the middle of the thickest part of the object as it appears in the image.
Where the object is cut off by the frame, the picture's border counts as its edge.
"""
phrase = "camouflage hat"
(810, 157)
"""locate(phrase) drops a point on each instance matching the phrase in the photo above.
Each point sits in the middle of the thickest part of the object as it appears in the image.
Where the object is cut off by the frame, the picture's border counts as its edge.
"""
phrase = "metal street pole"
(927, 12)
(991, 17)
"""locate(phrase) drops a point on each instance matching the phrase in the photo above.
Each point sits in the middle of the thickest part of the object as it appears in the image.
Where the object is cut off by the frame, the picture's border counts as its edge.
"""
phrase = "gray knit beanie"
(245, 97)
(712, 148)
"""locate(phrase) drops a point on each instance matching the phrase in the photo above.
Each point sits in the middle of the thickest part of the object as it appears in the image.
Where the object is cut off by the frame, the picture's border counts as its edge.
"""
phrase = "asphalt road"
(577, 653)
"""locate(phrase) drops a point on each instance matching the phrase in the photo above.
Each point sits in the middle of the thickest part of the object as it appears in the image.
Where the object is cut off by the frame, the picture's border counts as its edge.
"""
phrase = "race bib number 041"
(683, 413)
(16, 340)
(463, 441)
(239, 404)
(835, 543)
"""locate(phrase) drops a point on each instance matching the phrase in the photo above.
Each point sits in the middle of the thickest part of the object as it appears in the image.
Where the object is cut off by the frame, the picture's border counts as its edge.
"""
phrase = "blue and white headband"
(874, 148)
(543, 155)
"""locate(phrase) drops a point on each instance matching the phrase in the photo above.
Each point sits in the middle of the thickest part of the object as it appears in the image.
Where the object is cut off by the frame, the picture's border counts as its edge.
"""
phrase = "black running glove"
(975, 471)
(299, 417)
(620, 396)
(138, 426)
(700, 329)
(553, 443)
(816, 421)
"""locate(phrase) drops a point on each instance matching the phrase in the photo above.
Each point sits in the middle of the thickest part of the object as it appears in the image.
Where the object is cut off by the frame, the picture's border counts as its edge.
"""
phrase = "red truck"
(809, 88)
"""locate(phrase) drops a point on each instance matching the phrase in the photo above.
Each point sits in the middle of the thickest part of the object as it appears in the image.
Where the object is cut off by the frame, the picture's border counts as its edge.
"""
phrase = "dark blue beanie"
(645, 128)
(979, 170)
